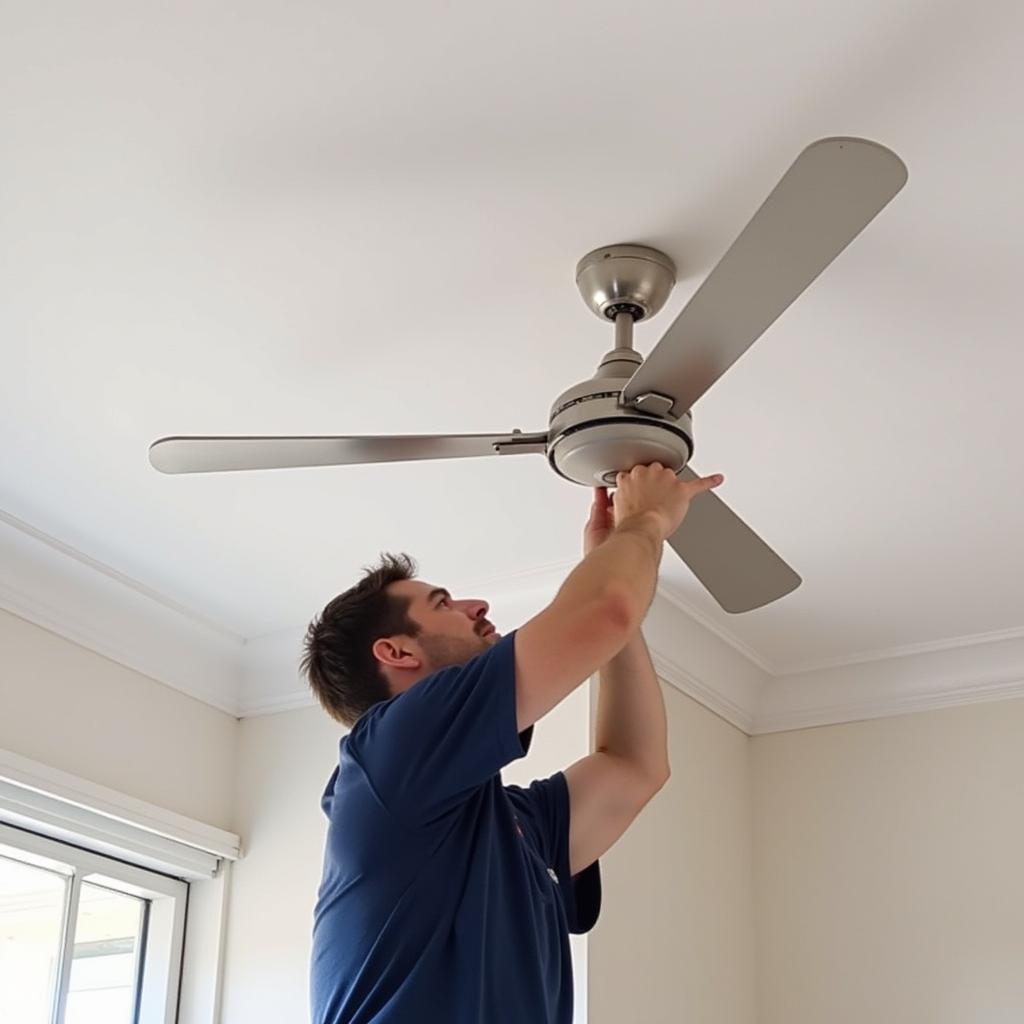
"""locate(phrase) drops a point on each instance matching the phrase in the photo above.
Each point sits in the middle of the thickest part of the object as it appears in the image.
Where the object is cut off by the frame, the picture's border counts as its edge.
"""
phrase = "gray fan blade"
(736, 566)
(831, 192)
(216, 454)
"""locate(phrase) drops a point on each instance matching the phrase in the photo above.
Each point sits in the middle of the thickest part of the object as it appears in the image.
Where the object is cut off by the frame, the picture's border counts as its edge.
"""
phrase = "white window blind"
(54, 803)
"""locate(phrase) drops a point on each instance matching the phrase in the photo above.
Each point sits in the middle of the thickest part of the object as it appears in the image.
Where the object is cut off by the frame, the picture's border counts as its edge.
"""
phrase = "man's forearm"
(626, 564)
(631, 711)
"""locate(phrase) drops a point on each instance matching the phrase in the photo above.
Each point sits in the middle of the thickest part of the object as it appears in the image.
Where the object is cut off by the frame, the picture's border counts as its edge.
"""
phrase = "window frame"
(162, 943)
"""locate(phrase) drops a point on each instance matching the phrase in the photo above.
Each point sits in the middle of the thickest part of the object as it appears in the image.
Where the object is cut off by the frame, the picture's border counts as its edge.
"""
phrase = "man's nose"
(477, 609)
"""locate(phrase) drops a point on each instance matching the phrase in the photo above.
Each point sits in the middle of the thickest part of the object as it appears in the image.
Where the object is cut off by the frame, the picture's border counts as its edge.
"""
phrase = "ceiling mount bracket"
(633, 279)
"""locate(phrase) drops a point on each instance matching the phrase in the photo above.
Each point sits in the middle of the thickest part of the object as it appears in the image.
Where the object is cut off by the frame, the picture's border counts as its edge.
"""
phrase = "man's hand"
(601, 522)
(655, 490)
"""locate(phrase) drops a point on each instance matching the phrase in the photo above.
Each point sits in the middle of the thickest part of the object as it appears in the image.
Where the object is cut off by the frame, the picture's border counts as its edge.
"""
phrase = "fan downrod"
(633, 279)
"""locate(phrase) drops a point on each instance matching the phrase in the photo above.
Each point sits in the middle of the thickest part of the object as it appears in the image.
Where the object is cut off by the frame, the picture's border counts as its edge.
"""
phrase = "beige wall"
(284, 761)
(675, 941)
(72, 709)
(873, 867)
(890, 869)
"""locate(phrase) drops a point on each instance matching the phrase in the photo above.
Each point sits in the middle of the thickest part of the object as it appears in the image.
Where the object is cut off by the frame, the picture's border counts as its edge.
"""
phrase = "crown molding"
(703, 664)
(292, 700)
(716, 629)
(884, 654)
(25, 530)
(53, 585)
(735, 714)
(886, 707)
(924, 681)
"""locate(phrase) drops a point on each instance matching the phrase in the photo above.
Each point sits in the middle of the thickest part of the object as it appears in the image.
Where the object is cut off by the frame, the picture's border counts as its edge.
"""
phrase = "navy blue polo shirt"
(446, 896)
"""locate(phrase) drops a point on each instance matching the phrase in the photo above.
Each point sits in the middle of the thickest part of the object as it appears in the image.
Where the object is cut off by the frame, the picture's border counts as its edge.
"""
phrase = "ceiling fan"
(635, 411)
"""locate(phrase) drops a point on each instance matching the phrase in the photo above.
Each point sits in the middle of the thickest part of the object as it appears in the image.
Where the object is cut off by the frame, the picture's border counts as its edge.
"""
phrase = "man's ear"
(396, 652)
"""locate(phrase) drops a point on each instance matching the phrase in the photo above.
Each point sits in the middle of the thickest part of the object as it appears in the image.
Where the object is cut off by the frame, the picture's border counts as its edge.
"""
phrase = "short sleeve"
(544, 809)
(428, 749)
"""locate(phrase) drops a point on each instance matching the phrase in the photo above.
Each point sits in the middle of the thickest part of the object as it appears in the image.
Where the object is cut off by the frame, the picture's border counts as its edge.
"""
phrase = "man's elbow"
(655, 780)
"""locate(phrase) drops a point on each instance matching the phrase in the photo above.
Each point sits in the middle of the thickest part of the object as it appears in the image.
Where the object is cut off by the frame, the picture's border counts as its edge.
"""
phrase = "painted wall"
(889, 873)
(283, 765)
(676, 937)
(75, 710)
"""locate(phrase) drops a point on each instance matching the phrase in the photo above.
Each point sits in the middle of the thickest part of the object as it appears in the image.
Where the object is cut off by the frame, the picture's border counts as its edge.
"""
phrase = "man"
(447, 897)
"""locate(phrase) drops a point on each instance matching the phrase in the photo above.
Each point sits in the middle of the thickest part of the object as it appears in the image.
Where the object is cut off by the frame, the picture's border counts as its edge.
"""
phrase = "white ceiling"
(298, 218)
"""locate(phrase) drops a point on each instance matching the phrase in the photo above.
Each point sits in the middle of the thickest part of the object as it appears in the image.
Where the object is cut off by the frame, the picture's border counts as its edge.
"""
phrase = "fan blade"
(736, 566)
(215, 454)
(827, 197)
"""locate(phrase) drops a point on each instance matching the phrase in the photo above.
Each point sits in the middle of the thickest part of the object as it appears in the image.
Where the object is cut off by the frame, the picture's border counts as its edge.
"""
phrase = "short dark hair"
(338, 659)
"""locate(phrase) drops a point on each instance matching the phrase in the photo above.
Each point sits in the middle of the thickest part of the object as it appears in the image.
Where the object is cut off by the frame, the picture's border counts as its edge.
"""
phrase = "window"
(84, 938)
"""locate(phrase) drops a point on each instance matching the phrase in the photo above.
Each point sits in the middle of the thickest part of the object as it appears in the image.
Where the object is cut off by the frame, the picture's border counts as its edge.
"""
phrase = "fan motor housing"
(592, 437)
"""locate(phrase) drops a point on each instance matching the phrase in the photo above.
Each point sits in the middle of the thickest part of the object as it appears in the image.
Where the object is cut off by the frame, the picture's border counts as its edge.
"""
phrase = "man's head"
(387, 633)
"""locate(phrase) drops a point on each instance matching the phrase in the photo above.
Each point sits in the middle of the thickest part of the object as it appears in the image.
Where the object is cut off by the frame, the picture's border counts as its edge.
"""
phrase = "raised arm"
(609, 787)
(605, 598)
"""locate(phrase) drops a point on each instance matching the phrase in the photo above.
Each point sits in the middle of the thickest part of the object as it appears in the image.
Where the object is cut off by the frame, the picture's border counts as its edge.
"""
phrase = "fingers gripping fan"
(634, 411)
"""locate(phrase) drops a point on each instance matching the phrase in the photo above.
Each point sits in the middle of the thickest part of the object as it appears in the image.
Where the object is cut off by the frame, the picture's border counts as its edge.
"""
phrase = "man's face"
(453, 631)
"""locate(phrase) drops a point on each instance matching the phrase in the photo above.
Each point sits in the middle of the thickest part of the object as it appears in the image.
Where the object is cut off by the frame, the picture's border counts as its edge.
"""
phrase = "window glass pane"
(103, 968)
(31, 919)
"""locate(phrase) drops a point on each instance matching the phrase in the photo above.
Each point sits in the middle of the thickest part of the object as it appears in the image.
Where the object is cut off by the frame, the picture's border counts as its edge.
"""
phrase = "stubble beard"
(446, 651)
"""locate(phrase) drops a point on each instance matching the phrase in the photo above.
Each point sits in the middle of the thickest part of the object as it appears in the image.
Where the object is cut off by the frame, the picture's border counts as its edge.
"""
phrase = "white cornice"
(938, 677)
(848, 710)
(30, 532)
(69, 593)
(701, 692)
(713, 627)
(55, 586)
(885, 654)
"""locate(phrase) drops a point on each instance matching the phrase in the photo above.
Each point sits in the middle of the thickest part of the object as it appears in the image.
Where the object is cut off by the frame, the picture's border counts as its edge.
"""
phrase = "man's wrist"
(648, 522)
